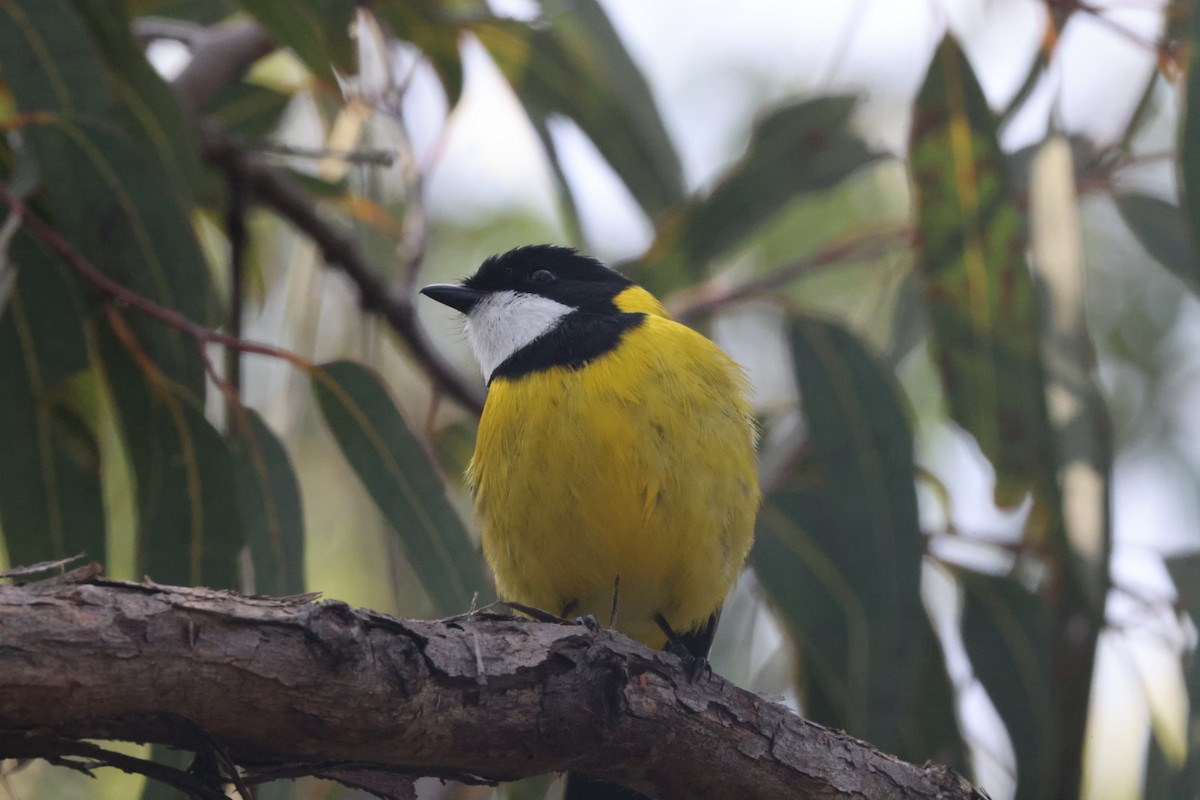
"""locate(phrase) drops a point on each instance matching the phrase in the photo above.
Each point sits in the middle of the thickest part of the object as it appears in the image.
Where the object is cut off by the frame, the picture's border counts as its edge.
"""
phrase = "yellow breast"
(640, 464)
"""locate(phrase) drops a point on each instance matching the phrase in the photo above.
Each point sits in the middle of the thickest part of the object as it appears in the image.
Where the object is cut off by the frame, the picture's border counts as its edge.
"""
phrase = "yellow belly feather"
(640, 465)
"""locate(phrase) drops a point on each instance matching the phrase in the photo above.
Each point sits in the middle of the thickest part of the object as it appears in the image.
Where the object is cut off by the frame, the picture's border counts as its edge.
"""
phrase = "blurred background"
(946, 238)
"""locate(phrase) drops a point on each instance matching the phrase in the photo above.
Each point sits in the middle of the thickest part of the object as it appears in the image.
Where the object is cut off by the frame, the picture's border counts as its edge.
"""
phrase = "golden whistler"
(615, 455)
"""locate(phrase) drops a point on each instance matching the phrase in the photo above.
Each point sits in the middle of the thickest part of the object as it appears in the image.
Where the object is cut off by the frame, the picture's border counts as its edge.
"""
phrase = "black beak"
(460, 298)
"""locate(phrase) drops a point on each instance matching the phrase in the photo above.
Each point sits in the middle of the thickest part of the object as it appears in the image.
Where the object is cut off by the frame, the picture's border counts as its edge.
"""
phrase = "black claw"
(535, 613)
(587, 620)
(694, 664)
(696, 667)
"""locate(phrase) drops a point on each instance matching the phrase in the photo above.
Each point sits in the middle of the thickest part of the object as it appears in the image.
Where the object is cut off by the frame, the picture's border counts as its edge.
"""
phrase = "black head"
(559, 273)
(537, 307)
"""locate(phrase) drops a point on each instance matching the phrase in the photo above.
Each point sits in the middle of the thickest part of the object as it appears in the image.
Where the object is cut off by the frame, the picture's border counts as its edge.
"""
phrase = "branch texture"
(295, 686)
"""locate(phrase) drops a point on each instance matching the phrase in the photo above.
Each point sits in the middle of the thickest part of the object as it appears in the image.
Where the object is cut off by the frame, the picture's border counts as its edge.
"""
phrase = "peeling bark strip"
(284, 684)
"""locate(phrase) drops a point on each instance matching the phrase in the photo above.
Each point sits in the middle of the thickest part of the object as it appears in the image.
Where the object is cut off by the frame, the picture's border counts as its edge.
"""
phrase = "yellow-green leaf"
(971, 255)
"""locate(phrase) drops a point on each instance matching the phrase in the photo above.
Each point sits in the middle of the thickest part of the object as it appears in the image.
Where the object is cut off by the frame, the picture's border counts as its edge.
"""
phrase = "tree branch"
(709, 296)
(219, 56)
(285, 682)
(277, 190)
(112, 290)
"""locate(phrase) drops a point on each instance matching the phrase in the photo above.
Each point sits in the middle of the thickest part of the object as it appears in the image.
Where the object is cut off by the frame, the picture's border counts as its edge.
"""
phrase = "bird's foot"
(696, 667)
(693, 664)
(587, 620)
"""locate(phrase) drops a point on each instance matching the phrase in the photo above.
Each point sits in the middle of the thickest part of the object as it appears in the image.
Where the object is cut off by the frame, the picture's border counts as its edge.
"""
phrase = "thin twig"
(1065, 8)
(235, 225)
(222, 56)
(279, 192)
(414, 240)
(365, 156)
(217, 61)
(415, 224)
(65, 752)
(114, 291)
(192, 34)
(708, 298)
(1100, 16)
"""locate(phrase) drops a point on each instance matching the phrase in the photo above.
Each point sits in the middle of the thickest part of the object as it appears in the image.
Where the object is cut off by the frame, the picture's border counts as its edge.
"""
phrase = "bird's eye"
(542, 276)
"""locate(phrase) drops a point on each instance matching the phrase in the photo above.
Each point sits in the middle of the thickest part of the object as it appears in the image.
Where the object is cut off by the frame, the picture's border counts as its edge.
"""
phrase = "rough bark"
(295, 686)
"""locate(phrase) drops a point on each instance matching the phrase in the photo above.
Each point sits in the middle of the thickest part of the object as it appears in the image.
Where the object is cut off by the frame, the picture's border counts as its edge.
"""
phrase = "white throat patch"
(504, 322)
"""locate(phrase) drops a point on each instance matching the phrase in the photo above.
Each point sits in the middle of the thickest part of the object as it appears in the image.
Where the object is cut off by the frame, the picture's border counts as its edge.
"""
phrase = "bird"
(615, 474)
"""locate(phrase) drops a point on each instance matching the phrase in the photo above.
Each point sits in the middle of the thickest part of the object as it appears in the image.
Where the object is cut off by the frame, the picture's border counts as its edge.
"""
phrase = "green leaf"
(47, 302)
(108, 202)
(49, 61)
(578, 67)
(1004, 630)
(271, 512)
(839, 545)
(150, 112)
(425, 24)
(401, 479)
(51, 504)
(318, 31)
(249, 110)
(1188, 146)
(204, 12)
(1163, 230)
(189, 524)
(1185, 783)
(133, 228)
(931, 731)
(797, 149)
(971, 254)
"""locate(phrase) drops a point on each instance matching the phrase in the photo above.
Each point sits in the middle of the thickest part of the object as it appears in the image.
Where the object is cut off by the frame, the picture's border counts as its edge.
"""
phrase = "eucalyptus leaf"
(1188, 145)
(401, 479)
(977, 284)
(317, 31)
(576, 65)
(107, 199)
(51, 504)
(1008, 642)
(189, 519)
(839, 545)
(271, 511)
(796, 149)
(1163, 230)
